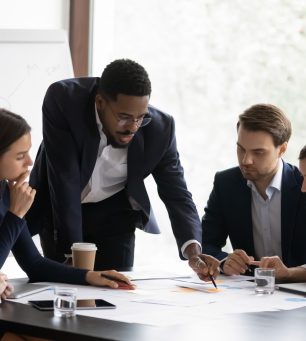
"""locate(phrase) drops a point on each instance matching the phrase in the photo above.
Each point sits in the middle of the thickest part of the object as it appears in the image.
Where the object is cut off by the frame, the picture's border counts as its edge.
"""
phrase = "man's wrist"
(192, 250)
(222, 262)
(294, 274)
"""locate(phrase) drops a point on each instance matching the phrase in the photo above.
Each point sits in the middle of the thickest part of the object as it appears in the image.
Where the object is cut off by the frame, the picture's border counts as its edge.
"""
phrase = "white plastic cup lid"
(84, 246)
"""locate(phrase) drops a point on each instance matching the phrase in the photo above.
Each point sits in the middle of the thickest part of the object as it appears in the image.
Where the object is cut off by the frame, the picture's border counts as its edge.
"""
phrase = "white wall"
(31, 15)
(34, 14)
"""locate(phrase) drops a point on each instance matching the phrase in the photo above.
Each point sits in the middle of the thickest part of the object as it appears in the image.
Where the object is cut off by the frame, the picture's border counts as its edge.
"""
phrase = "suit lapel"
(289, 205)
(135, 185)
(91, 142)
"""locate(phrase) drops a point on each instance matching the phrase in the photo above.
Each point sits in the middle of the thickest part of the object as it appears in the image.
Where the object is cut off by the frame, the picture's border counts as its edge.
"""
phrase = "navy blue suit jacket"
(228, 214)
(67, 157)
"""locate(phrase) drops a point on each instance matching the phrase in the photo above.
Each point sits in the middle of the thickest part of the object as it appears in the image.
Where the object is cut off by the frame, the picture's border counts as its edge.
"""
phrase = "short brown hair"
(302, 155)
(268, 118)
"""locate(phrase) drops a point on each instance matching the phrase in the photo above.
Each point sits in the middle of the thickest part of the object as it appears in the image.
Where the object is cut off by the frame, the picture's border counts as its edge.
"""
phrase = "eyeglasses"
(124, 120)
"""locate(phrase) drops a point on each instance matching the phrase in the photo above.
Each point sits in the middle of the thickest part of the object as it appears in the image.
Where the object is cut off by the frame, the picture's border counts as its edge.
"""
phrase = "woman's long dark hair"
(12, 127)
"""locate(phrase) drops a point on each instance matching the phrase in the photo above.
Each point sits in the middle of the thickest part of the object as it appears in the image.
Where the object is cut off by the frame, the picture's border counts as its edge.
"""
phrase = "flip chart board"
(30, 60)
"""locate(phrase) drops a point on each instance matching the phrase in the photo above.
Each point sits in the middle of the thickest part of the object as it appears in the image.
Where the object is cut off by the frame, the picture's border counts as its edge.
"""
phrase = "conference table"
(214, 318)
(280, 325)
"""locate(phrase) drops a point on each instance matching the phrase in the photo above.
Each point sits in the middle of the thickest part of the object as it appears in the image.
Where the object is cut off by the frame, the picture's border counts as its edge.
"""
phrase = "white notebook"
(23, 288)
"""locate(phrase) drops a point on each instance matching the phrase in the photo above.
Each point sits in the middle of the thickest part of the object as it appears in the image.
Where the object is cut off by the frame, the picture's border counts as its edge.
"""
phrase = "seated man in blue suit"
(101, 139)
(282, 272)
(258, 205)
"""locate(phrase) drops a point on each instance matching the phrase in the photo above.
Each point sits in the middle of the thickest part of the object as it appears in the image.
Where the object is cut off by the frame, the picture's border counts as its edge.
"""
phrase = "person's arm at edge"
(296, 274)
(282, 272)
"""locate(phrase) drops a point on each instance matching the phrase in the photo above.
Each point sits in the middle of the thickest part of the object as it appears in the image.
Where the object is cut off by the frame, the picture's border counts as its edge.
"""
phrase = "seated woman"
(16, 197)
(282, 272)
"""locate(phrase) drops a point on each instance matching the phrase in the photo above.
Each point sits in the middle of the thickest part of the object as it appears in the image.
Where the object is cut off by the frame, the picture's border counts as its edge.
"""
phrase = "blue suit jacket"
(67, 157)
(228, 214)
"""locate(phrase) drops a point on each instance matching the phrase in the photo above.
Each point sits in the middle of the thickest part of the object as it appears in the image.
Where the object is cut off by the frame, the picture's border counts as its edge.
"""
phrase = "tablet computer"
(294, 288)
(82, 304)
(23, 288)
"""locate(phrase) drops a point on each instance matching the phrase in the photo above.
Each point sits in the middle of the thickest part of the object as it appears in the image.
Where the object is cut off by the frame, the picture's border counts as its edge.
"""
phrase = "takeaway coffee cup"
(83, 255)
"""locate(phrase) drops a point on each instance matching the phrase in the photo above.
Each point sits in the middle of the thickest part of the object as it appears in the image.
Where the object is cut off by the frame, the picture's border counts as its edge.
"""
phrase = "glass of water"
(264, 280)
(65, 301)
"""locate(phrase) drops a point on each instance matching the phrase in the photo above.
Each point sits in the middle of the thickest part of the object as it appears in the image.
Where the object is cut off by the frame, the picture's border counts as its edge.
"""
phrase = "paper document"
(145, 275)
(220, 279)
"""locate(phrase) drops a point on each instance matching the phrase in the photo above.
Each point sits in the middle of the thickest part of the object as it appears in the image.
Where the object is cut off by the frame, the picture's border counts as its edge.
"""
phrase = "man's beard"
(115, 144)
(252, 176)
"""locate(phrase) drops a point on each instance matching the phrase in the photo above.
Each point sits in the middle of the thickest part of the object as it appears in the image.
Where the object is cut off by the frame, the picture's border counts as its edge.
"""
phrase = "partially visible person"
(259, 204)
(16, 197)
(5, 290)
(282, 272)
(302, 166)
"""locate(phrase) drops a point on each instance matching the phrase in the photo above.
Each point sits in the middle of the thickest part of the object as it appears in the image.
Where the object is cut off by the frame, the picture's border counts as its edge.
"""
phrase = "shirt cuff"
(184, 246)
(222, 265)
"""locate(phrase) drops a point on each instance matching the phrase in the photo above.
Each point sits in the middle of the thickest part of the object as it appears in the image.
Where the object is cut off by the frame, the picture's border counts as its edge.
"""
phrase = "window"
(208, 61)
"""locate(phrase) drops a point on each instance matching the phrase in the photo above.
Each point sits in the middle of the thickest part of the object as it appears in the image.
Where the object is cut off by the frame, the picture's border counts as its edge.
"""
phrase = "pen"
(211, 277)
(251, 268)
(213, 281)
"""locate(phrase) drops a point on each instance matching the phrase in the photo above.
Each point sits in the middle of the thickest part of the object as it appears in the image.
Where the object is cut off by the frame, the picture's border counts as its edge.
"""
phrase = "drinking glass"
(65, 301)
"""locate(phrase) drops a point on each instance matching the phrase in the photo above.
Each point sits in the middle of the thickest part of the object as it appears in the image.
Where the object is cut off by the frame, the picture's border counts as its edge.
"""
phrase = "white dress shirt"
(110, 172)
(266, 217)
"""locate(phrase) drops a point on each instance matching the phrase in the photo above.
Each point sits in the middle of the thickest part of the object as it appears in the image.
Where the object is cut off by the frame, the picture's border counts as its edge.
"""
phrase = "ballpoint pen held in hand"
(209, 275)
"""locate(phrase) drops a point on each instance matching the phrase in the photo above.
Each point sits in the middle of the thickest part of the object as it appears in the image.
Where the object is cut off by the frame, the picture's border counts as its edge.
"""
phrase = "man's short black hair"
(126, 77)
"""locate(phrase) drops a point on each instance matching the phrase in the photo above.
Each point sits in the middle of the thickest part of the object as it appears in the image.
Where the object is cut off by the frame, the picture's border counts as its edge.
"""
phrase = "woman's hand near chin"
(21, 195)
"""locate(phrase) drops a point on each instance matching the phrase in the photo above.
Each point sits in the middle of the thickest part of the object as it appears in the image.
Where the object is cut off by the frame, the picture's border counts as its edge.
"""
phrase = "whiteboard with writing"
(30, 60)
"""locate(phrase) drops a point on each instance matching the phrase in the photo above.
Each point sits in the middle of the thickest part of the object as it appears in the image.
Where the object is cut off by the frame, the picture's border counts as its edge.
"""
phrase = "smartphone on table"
(82, 304)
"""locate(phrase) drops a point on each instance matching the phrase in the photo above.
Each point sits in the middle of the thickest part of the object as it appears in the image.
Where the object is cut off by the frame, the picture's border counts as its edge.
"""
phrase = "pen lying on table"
(121, 283)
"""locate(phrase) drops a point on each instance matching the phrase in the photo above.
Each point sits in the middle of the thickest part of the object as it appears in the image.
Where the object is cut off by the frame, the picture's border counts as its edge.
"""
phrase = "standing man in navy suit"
(101, 139)
(258, 205)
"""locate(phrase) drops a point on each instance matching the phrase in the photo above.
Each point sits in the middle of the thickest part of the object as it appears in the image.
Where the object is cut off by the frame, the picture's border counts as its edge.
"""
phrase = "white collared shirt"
(110, 172)
(266, 217)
